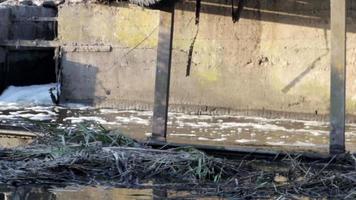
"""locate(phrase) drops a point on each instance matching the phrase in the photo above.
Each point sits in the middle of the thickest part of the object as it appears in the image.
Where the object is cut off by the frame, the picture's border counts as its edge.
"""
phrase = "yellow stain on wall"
(208, 75)
(128, 26)
(209, 57)
(137, 26)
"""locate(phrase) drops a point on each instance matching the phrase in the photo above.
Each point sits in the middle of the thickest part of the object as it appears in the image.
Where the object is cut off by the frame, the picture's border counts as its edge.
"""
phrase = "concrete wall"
(124, 74)
(274, 60)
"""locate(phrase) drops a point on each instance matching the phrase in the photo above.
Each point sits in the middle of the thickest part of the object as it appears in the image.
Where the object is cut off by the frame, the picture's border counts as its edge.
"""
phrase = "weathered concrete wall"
(126, 73)
(276, 57)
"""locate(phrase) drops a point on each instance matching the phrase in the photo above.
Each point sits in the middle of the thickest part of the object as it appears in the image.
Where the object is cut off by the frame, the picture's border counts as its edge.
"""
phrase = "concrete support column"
(338, 76)
(163, 68)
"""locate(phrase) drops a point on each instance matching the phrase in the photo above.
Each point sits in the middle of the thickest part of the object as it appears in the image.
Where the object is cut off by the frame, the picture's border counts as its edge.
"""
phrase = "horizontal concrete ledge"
(54, 44)
(241, 151)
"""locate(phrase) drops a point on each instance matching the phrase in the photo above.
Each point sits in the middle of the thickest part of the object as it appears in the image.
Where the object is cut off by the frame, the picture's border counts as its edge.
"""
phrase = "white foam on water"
(195, 124)
(15, 96)
(148, 134)
(138, 120)
(182, 134)
(263, 127)
(269, 127)
(78, 106)
(47, 110)
(303, 144)
(245, 141)
(31, 116)
(2, 117)
(294, 144)
(279, 143)
(145, 113)
(350, 133)
(108, 111)
(132, 119)
(36, 117)
(88, 118)
(211, 139)
(181, 116)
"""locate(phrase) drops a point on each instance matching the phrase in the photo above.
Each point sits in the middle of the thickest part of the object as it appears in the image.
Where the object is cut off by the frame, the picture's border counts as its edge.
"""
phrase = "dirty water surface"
(228, 131)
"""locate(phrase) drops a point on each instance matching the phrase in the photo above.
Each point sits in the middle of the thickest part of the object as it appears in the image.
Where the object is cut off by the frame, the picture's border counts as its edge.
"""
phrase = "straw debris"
(92, 156)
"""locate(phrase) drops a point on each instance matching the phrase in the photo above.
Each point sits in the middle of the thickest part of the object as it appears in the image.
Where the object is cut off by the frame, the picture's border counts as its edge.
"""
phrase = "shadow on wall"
(78, 82)
(310, 13)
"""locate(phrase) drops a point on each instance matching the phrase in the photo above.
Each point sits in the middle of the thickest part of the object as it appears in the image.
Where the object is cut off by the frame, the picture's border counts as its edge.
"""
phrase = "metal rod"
(163, 68)
(338, 74)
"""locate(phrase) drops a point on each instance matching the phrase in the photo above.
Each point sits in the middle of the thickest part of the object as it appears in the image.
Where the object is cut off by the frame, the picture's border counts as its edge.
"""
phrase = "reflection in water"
(25, 193)
(92, 193)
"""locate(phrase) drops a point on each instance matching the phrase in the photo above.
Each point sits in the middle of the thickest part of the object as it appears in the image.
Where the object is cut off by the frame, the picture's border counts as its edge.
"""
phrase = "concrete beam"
(163, 68)
(338, 74)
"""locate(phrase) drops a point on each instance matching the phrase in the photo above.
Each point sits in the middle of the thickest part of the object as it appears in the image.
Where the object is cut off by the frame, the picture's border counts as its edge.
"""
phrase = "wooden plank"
(164, 54)
(338, 74)
(227, 151)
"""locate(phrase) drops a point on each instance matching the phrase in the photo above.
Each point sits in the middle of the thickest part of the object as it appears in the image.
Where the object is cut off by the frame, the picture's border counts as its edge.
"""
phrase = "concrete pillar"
(163, 68)
(338, 75)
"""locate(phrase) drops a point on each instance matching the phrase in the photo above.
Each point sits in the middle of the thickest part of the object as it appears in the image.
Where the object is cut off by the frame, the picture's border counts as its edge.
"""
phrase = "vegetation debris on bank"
(88, 154)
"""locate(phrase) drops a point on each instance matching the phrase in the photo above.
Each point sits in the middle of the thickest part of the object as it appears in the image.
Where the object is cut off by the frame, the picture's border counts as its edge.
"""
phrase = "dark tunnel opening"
(28, 67)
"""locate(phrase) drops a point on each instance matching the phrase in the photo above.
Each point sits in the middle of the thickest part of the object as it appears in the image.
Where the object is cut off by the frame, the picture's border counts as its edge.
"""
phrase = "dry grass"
(92, 156)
